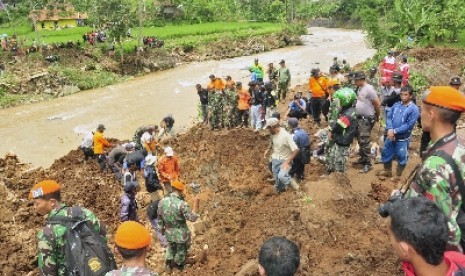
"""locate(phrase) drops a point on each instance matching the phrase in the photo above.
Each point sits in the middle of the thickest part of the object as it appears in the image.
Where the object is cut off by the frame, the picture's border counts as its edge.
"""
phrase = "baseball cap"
(293, 122)
(150, 159)
(455, 81)
(132, 235)
(101, 127)
(333, 82)
(282, 61)
(445, 97)
(359, 75)
(271, 122)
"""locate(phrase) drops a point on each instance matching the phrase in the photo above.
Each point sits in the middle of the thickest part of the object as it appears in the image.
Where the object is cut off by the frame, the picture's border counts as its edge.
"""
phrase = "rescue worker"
(243, 105)
(173, 212)
(368, 109)
(436, 178)
(148, 140)
(51, 242)
(283, 151)
(343, 129)
(318, 86)
(404, 69)
(284, 80)
(230, 111)
(216, 82)
(100, 143)
(203, 95)
(302, 141)
(116, 158)
(87, 146)
(400, 122)
(166, 125)
(168, 169)
(132, 241)
(272, 74)
(228, 82)
(278, 256)
(258, 70)
(215, 109)
(387, 66)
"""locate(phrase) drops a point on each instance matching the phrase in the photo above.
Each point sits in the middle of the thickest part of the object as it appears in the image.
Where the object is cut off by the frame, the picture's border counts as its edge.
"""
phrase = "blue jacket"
(402, 118)
(301, 138)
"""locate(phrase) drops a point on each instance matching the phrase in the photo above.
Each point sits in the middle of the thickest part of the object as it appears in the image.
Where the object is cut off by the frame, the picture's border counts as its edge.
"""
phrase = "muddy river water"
(41, 132)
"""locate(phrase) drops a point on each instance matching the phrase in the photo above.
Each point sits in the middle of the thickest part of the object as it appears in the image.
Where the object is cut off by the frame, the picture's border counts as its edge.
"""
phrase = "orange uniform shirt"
(244, 99)
(168, 168)
(100, 143)
(217, 83)
(318, 86)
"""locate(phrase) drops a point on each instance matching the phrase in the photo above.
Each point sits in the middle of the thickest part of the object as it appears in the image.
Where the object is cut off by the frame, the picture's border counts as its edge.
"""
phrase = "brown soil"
(438, 64)
(334, 220)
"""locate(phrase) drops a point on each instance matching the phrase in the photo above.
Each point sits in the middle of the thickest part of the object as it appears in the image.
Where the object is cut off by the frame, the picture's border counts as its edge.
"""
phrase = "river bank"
(41, 132)
(31, 78)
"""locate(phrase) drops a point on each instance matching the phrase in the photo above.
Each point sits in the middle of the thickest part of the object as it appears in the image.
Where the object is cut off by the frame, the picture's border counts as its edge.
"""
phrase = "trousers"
(255, 117)
(365, 125)
(395, 148)
(281, 176)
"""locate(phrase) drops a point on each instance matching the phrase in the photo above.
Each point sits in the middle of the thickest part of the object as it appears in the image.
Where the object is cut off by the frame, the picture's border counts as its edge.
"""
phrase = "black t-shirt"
(257, 96)
(135, 157)
(203, 94)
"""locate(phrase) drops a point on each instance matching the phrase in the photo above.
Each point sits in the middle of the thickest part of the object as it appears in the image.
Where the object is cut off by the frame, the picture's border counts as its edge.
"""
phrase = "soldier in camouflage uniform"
(435, 177)
(173, 212)
(230, 111)
(343, 127)
(132, 241)
(334, 108)
(51, 242)
(215, 109)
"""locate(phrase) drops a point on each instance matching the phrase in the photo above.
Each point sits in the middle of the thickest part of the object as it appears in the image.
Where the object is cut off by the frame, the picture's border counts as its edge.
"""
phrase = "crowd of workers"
(425, 217)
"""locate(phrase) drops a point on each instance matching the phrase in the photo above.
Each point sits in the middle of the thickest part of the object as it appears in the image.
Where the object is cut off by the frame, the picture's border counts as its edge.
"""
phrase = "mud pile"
(336, 227)
(438, 64)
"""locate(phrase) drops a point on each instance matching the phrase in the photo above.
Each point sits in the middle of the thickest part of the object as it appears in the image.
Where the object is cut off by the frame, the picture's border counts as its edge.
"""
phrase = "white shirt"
(88, 141)
(146, 137)
(282, 144)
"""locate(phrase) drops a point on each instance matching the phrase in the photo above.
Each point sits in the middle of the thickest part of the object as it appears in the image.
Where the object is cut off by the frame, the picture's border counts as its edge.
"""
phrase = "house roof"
(57, 13)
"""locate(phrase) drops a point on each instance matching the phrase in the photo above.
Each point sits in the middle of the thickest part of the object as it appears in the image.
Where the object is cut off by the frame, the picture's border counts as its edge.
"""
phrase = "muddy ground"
(333, 220)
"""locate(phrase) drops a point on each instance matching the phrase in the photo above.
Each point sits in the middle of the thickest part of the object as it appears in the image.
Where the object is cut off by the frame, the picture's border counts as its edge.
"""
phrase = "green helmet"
(346, 96)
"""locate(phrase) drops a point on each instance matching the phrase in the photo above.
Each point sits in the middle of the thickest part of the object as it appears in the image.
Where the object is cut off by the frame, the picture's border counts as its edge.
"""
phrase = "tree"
(117, 17)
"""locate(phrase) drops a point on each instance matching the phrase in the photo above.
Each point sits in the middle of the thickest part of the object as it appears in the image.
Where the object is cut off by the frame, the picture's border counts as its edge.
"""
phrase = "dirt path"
(42, 132)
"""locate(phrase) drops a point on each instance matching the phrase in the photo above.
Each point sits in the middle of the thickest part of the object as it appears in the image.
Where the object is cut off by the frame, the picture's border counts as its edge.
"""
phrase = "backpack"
(152, 183)
(86, 252)
(343, 136)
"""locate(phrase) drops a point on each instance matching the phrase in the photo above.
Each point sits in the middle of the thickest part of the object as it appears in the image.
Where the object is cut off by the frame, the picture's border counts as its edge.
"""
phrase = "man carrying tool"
(283, 151)
(173, 212)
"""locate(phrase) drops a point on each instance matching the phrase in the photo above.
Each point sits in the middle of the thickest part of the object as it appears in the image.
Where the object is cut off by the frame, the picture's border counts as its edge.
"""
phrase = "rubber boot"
(399, 170)
(168, 266)
(387, 171)
(294, 185)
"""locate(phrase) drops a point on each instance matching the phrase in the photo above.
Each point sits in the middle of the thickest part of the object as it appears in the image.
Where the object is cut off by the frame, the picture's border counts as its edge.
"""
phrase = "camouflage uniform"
(230, 110)
(284, 77)
(334, 108)
(215, 109)
(173, 212)
(50, 248)
(137, 137)
(131, 271)
(433, 180)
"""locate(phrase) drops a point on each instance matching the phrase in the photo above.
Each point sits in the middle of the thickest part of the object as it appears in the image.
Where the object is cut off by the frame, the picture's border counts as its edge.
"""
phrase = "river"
(41, 132)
